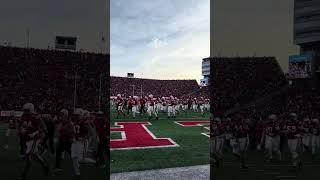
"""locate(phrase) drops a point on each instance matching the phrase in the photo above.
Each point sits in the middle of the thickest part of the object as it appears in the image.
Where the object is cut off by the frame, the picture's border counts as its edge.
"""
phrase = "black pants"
(62, 147)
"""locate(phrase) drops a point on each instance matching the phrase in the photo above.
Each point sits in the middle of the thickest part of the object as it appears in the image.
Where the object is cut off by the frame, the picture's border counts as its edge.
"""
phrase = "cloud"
(164, 40)
(46, 19)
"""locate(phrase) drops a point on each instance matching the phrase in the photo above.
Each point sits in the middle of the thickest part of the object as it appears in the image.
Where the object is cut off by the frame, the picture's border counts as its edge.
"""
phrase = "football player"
(293, 136)
(272, 137)
(134, 102)
(150, 106)
(101, 125)
(195, 105)
(306, 134)
(32, 129)
(201, 105)
(171, 108)
(81, 129)
(120, 104)
(217, 136)
(241, 130)
(315, 138)
(66, 135)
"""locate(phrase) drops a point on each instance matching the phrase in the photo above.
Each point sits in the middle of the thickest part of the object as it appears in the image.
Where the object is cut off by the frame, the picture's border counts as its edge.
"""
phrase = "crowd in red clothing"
(144, 87)
(236, 81)
(47, 78)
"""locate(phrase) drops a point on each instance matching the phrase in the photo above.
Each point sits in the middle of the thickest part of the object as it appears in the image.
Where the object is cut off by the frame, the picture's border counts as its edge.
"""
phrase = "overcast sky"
(47, 18)
(245, 27)
(162, 39)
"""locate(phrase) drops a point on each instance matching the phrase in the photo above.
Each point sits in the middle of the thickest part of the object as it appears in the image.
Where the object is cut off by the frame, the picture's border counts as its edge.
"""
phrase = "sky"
(162, 39)
(248, 27)
(84, 19)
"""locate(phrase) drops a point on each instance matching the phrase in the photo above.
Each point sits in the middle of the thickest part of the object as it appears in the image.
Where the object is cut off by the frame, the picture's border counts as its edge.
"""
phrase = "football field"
(259, 169)
(11, 165)
(188, 144)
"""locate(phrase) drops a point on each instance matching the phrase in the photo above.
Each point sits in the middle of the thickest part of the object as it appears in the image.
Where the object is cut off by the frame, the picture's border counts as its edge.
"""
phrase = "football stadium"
(53, 114)
(265, 122)
(158, 124)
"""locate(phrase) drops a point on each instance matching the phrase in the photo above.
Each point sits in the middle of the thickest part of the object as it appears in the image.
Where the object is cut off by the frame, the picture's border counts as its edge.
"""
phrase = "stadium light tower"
(100, 93)
(133, 89)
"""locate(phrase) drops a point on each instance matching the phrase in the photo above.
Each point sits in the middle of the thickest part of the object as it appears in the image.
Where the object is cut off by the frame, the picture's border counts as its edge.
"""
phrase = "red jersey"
(171, 102)
(119, 101)
(12, 124)
(200, 102)
(130, 102)
(81, 129)
(292, 130)
(272, 129)
(142, 102)
(30, 126)
(259, 130)
(66, 131)
(101, 127)
(241, 130)
(150, 102)
(306, 128)
(134, 102)
(315, 130)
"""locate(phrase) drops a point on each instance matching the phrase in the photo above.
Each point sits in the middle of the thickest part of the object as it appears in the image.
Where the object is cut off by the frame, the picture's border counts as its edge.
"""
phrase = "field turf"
(11, 165)
(259, 169)
(193, 146)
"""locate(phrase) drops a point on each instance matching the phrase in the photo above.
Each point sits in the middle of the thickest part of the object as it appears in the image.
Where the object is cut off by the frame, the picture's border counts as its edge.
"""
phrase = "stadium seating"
(130, 86)
(237, 81)
(46, 78)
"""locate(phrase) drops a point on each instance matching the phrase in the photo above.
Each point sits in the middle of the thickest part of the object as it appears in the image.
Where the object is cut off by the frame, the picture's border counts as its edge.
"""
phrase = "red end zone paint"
(135, 135)
(195, 124)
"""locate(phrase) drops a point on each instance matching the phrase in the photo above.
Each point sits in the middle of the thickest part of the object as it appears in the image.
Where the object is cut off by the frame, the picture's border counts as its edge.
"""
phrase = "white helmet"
(150, 96)
(78, 111)
(119, 95)
(273, 117)
(315, 120)
(64, 112)
(293, 114)
(306, 119)
(86, 113)
(28, 106)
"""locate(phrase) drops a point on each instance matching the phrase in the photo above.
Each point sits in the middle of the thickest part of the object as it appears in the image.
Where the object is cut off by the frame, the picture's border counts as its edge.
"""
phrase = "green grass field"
(11, 166)
(193, 150)
(258, 169)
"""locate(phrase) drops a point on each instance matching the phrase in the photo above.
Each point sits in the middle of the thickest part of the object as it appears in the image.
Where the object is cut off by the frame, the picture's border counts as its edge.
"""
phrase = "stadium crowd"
(128, 86)
(236, 81)
(47, 78)
(42, 84)
(276, 117)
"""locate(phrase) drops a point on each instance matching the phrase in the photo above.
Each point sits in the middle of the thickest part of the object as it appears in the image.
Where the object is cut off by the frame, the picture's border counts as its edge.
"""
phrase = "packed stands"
(128, 86)
(46, 78)
(240, 80)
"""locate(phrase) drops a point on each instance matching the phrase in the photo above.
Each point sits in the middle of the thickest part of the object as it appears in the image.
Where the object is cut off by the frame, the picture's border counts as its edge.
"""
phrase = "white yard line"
(200, 172)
